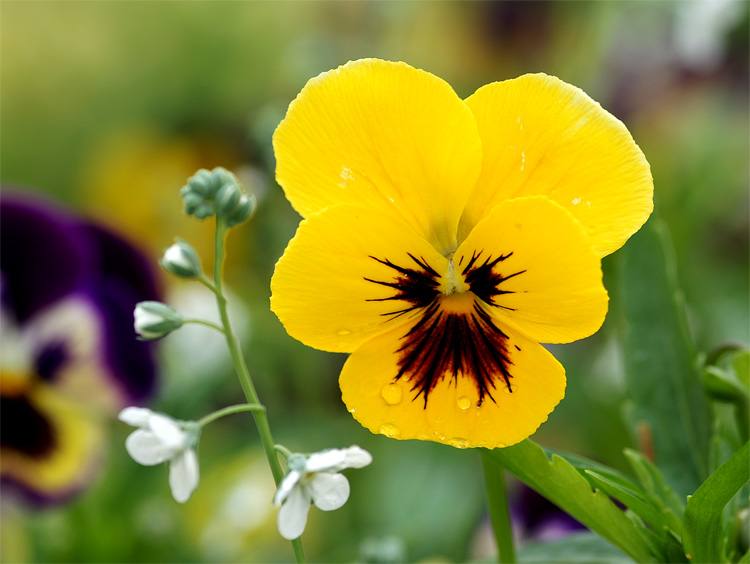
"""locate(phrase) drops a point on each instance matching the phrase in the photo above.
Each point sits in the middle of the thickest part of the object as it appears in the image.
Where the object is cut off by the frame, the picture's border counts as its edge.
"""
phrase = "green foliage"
(669, 412)
(576, 548)
(560, 482)
(704, 536)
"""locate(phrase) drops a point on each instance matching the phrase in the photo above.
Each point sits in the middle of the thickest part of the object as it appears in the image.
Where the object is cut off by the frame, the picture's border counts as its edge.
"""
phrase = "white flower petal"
(329, 491)
(135, 416)
(293, 514)
(356, 457)
(184, 475)
(287, 485)
(168, 432)
(326, 460)
(146, 449)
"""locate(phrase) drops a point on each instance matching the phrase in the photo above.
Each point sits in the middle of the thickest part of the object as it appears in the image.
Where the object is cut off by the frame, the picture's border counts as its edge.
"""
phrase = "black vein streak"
(450, 343)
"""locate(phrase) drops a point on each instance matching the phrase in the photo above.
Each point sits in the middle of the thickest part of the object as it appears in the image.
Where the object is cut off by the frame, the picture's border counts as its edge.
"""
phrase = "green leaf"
(566, 487)
(702, 530)
(574, 548)
(653, 483)
(638, 502)
(670, 412)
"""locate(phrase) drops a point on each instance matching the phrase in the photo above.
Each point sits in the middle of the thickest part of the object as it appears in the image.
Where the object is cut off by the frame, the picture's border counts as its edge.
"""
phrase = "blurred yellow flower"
(444, 239)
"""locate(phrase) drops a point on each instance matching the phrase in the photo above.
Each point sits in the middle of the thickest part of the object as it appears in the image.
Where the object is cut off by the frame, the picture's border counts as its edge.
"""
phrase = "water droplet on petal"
(464, 403)
(501, 445)
(459, 443)
(389, 430)
(343, 332)
(352, 409)
(391, 394)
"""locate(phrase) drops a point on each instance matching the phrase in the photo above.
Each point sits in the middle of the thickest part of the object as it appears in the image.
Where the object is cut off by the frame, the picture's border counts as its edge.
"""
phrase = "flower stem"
(497, 504)
(197, 321)
(261, 421)
(211, 417)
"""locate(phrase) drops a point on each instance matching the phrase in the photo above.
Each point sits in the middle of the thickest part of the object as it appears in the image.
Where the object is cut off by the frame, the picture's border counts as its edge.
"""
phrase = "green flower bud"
(154, 320)
(181, 260)
(242, 211)
(216, 192)
(227, 198)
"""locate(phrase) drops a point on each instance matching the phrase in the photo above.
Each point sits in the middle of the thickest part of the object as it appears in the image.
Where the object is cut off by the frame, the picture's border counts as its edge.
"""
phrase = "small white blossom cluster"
(314, 479)
(162, 439)
(310, 480)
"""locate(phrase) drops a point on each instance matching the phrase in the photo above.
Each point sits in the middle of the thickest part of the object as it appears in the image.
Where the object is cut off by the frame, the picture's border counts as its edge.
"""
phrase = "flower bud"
(217, 192)
(181, 260)
(154, 320)
(227, 199)
(242, 211)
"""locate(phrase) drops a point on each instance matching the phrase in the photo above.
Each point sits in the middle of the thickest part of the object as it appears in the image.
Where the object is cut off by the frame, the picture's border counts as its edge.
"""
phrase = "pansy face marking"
(453, 334)
(444, 240)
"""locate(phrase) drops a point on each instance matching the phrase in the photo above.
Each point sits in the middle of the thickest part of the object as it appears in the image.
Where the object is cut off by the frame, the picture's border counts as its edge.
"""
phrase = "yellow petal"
(452, 414)
(385, 136)
(550, 285)
(543, 136)
(78, 444)
(329, 289)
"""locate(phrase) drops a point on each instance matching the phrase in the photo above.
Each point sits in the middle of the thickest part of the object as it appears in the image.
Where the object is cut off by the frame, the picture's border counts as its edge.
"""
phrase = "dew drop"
(463, 403)
(352, 409)
(343, 332)
(501, 445)
(391, 394)
(459, 443)
(389, 430)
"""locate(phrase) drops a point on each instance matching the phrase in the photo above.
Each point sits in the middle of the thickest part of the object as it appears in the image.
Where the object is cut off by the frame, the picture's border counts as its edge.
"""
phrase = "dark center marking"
(24, 428)
(445, 341)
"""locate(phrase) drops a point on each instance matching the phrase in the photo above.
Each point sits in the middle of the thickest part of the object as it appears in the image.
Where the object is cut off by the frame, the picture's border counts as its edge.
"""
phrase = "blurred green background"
(108, 107)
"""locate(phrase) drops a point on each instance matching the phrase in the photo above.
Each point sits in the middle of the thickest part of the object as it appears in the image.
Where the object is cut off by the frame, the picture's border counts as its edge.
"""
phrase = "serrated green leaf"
(653, 482)
(669, 406)
(638, 502)
(702, 531)
(563, 485)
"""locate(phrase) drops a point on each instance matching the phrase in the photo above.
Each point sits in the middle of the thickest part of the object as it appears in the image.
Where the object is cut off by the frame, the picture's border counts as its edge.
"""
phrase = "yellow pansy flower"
(444, 239)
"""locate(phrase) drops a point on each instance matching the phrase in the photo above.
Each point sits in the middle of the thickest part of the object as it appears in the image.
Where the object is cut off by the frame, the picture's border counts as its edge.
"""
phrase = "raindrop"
(343, 332)
(463, 403)
(459, 443)
(389, 430)
(501, 445)
(391, 394)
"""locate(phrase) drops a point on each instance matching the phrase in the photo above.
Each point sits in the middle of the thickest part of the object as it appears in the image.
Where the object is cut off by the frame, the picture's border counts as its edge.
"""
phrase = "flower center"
(453, 335)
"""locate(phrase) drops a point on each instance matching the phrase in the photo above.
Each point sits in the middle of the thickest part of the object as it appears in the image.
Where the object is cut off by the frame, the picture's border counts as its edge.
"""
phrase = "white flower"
(315, 479)
(162, 439)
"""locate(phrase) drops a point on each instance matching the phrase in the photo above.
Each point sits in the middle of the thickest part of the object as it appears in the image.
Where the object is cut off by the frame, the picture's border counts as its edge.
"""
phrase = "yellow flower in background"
(444, 239)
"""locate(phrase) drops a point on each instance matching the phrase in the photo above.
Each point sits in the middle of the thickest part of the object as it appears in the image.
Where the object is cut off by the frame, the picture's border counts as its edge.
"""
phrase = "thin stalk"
(261, 421)
(497, 505)
(197, 321)
(211, 417)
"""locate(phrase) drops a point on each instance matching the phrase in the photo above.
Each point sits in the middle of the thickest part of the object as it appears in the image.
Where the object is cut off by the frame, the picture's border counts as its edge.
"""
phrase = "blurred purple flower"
(535, 518)
(69, 358)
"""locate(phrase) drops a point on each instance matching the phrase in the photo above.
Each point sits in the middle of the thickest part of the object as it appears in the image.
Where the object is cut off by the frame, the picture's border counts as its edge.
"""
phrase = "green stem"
(497, 504)
(211, 417)
(197, 321)
(285, 452)
(261, 421)
(203, 279)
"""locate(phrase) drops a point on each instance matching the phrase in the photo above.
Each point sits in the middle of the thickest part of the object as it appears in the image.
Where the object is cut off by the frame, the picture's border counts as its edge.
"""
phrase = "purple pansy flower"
(68, 355)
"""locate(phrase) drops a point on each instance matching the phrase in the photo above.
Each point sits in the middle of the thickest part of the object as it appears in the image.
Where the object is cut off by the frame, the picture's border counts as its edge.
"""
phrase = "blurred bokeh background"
(108, 107)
